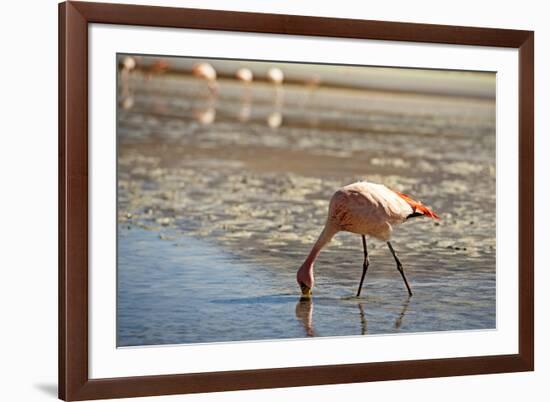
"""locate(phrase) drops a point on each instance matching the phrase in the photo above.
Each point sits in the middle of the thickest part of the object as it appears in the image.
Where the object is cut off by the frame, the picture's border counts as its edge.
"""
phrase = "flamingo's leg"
(365, 265)
(400, 268)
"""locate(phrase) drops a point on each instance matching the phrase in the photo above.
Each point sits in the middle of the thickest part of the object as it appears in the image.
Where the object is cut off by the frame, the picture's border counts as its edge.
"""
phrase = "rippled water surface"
(221, 198)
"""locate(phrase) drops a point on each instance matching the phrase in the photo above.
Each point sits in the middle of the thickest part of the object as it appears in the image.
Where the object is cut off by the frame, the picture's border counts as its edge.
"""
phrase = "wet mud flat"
(218, 207)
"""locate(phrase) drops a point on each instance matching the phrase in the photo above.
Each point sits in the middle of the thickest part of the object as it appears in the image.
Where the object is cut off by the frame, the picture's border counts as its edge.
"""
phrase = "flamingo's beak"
(306, 291)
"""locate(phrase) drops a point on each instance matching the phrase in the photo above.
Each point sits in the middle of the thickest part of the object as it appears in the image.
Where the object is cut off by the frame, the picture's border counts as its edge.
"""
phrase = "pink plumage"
(205, 71)
(368, 209)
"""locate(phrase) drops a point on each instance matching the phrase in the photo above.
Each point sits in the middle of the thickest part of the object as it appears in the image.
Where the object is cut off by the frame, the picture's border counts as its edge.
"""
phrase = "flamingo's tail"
(417, 206)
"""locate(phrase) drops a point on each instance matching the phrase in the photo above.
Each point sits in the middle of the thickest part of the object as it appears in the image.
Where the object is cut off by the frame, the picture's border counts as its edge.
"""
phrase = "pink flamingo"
(367, 209)
(160, 66)
(275, 76)
(205, 71)
(244, 75)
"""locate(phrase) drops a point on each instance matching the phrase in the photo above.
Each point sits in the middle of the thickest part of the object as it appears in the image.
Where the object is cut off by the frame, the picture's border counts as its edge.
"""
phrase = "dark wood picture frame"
(74, 381)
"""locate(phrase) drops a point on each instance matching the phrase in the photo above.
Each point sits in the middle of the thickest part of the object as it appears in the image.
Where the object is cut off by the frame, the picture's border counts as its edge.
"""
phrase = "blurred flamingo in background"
(367, 209)
(160, 66)
(313, 82)
(128, 64)
(275, 76)
(244, 75)
(205, 71)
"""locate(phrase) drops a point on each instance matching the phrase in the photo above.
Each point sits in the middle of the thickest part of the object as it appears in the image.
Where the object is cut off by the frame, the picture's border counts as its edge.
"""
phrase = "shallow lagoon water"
(218, 207)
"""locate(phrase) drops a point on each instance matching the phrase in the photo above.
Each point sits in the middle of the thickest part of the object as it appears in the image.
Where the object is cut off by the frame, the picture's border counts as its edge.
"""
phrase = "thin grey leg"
(365, 265)
(400, 268)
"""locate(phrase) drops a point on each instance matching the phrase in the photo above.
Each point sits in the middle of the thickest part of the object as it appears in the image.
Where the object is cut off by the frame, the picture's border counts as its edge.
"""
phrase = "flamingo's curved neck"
(326, 235)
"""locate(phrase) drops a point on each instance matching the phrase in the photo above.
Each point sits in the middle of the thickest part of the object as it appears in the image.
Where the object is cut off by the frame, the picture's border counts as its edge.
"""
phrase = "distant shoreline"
(401, 80)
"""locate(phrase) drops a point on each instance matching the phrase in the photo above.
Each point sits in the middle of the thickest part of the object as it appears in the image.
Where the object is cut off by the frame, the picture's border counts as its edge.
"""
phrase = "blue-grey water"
(221, 197)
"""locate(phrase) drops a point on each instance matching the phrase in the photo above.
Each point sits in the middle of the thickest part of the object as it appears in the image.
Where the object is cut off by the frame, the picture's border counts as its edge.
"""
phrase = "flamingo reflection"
(362, 318)
(205, 115)
(304, 314)
(399, 319)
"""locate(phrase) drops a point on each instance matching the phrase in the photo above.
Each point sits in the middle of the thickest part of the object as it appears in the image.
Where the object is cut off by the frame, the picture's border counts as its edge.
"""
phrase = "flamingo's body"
(160, 66)
(245, 75)
(205, 71)
(313, 82)
(367, 209)
(275, 76)
(371, 209)
(129, 63)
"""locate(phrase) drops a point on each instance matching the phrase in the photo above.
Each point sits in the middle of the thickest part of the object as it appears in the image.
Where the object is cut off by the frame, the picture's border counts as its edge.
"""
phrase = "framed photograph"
(260, 200)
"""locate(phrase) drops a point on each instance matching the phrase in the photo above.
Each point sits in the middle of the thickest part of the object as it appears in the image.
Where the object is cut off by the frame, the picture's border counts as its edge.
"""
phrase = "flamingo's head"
(306, 290)
(304, 277)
